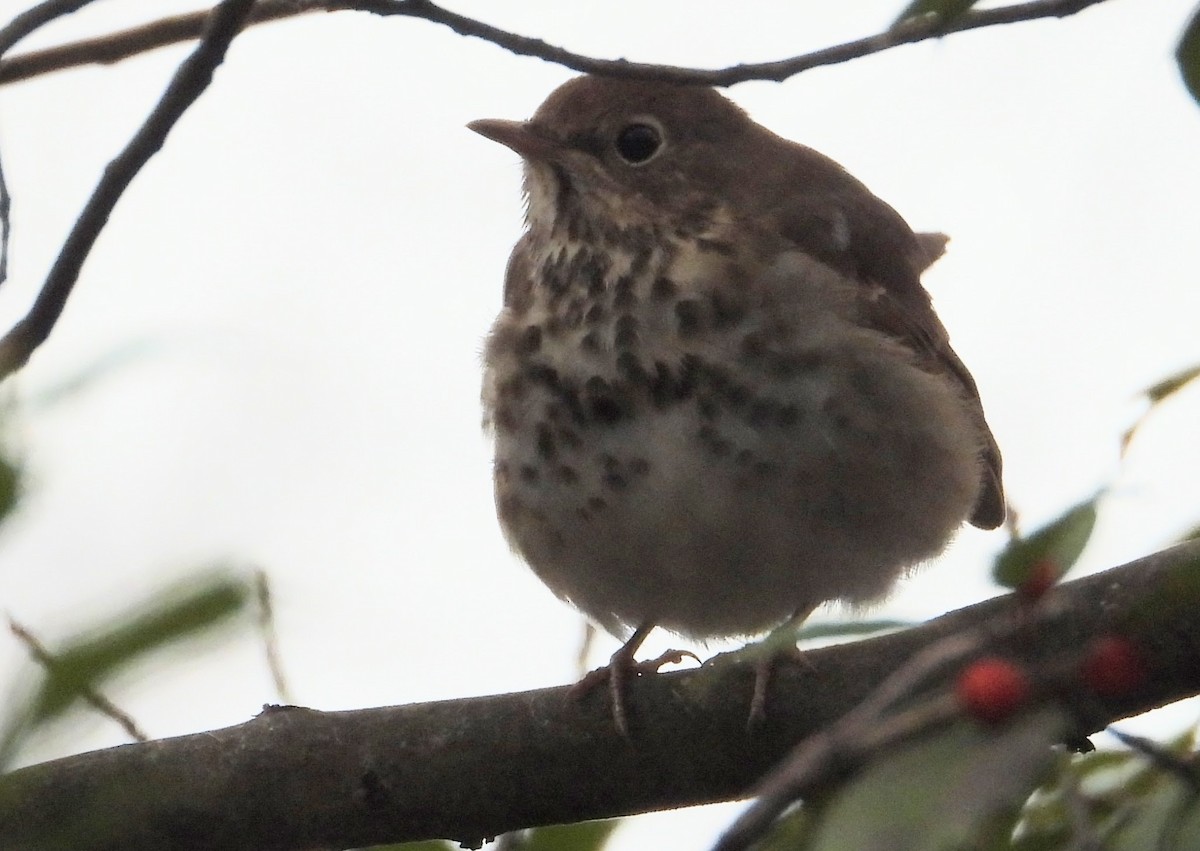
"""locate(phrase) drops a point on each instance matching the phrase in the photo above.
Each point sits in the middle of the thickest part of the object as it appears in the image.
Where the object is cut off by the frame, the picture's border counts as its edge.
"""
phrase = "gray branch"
(295, 778)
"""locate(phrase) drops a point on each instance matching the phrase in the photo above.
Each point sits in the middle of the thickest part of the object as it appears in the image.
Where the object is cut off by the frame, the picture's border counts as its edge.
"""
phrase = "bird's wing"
(867, 241)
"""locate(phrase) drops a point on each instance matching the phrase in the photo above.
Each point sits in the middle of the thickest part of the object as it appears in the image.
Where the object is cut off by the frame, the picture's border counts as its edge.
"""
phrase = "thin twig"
(126, 43)
(112, 48)
(89, 695)
(907, 32)
(1164, 759)
(189, 82)
(266, 627)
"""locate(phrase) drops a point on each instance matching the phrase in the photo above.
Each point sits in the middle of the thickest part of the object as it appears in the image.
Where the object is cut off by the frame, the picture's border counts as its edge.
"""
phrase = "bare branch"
(121, 45)
(1161, 757)
(108, 49)
(907, 32)
(467, 769)
(189, 82)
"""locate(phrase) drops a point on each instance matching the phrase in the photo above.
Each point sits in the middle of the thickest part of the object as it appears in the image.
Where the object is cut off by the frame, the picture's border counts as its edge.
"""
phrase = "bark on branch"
(295, 778)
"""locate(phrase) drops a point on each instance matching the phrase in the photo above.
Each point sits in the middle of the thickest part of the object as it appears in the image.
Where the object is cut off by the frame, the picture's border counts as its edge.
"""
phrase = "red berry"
(1042, 576)
(992, 690)
(1113, 666)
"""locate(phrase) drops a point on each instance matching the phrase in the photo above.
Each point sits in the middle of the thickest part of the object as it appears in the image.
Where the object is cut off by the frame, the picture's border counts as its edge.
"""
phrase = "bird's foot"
(764, 668)
(621, 668)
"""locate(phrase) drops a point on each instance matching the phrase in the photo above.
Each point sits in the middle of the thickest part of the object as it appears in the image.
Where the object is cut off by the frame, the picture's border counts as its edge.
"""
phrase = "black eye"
(638, 143)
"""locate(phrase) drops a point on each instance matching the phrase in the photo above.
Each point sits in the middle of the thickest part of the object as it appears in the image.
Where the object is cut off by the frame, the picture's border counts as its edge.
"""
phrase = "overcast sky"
(294, 292)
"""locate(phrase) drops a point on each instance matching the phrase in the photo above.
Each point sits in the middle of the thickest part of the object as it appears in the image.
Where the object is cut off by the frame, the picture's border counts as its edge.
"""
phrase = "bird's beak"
(518, 135)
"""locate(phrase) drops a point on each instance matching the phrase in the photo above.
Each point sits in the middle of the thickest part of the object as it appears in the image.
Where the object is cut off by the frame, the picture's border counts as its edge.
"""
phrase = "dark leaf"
(1059, 545)
(946, 10)
(1188, 55)
(10, 484)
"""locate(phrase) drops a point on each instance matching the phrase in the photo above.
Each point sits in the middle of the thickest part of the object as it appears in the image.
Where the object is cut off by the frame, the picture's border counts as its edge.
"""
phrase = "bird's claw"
(621, 668)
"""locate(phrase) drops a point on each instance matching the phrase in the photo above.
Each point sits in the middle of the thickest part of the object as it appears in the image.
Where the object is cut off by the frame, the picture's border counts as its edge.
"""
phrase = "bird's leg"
(774, 652)
(621, 668)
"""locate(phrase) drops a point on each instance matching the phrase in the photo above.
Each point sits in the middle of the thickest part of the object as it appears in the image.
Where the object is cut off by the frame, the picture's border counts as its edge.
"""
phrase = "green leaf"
(1158, 393)
(1149, 820)
(1172, 384)
(585, 836)
(1188, 56)
(10, 484)
(1059, 544)
(949, 789)
(946, 10)
(1186, 832)
(181, 612)
(791, 831)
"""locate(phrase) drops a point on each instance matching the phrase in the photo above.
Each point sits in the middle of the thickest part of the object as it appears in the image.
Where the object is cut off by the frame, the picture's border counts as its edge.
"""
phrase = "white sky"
(298, 285)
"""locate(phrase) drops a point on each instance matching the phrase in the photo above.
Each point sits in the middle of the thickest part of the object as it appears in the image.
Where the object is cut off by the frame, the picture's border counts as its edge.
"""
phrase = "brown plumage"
(719, 393)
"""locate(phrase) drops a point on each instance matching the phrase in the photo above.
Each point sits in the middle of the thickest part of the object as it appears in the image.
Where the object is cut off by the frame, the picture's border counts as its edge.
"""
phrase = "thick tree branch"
(121, 45)
(188, 84)
(467, 769)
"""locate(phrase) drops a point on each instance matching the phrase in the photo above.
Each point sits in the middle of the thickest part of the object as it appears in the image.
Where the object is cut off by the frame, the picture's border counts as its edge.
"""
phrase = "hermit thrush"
(719, 393)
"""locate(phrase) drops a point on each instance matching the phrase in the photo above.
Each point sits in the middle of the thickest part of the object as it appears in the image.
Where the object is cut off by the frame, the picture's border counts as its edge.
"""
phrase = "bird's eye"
(638, 143)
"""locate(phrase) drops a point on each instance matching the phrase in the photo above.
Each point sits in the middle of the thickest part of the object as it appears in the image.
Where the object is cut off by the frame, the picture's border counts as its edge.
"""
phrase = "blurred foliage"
(1188, 55)
(10, 482)
(1057, 544)
(1114, 799)
(946, 10)
(74, 673)
(1155, 395)
(950, 788)
(585, 836)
